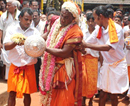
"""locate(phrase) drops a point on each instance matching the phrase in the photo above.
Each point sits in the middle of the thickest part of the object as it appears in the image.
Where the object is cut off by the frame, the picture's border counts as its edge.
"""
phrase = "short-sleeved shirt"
(86, 35)
(116, 53)
(6, 20)
(17, 55)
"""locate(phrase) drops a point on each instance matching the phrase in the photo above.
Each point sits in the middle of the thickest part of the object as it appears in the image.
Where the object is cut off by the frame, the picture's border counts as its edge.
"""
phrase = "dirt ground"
(36, 101)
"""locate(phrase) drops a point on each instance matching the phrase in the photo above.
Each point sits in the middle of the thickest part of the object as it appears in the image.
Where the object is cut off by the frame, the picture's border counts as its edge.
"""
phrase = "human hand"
(128, 47)
(1, 46)
(81, 47)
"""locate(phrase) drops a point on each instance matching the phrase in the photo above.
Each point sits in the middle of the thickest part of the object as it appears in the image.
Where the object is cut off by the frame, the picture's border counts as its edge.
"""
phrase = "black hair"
(126, 14)
(119, 10)
(50, 9)
(79, 6)
(101, 10)
(83, 13)
(118, 16)
(110, 12)
(53, 12)
(28, 10)
(37, 12)
(88, 10)
(24, 3)
(30, 3)
(129, 18)
(90, 16)
(3, 1)
(109, 6)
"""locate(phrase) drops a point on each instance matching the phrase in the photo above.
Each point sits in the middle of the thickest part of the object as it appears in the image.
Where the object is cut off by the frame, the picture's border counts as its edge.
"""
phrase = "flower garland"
(54, 40)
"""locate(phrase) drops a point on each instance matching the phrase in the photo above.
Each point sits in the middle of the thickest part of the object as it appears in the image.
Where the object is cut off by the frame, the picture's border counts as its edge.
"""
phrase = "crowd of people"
(85, 53)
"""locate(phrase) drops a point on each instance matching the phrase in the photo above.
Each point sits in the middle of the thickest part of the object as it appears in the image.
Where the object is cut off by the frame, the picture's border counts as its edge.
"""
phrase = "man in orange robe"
(21, 79)
(66, 87)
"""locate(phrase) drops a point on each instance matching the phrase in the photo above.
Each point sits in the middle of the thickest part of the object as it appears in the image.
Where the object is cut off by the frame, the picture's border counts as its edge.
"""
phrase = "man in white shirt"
(7, 18)
(113, 76)
(126, 28)
(38, 24)
(21, 79)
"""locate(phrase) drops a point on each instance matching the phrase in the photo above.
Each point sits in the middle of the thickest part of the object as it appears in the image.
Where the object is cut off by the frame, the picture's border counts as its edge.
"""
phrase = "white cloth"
(86, 35)
(127, 52)
(126, 28)
(111, 79)
(127, 55)
(6, 20)
(40, 27)
(17, 55)
(4, 57)
(116, 53)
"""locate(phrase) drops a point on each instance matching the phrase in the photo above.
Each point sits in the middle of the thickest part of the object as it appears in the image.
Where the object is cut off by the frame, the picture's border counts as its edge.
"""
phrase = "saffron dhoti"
(22, 82)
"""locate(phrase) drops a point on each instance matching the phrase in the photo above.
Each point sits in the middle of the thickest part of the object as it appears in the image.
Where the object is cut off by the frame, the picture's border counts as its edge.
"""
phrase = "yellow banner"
(42, 3)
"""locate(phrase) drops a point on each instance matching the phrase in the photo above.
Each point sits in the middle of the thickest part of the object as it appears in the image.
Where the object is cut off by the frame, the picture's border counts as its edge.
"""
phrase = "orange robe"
(60, 95)
(22, 82)
(90, 74)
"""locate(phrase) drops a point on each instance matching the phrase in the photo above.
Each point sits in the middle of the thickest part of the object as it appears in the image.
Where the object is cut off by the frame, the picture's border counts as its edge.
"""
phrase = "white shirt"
(116, 53)
(86, 35)
(40, 27)
(6, 20)
(17, 55)
(126, 28)
(127, 52)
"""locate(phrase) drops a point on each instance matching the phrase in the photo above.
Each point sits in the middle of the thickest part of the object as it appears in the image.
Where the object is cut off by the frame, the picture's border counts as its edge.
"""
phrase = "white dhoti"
(114, 79)
(4, 56)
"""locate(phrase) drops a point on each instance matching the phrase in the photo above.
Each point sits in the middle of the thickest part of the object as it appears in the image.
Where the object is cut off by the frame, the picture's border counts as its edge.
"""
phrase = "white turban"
(71, 7)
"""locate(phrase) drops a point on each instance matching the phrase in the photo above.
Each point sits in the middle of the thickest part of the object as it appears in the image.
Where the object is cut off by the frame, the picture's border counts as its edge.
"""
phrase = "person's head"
(119, 12)
(11, 6)
(34, 5)
(49, 9)
(49, 15)
(88, 11)
(100, 14)
(18, 4)
(110, 12)
(36, 16)
(3, 4)
(83, 14)
(25, 4)
(125, 19)
(70, 12)
(118, 19)
(109, 6)
(25, 18)
(43, 17)
(90, 20)
(129, 20)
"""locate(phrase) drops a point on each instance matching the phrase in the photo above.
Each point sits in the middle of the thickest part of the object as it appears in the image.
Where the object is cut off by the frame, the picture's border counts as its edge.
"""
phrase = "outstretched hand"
(81, 47)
